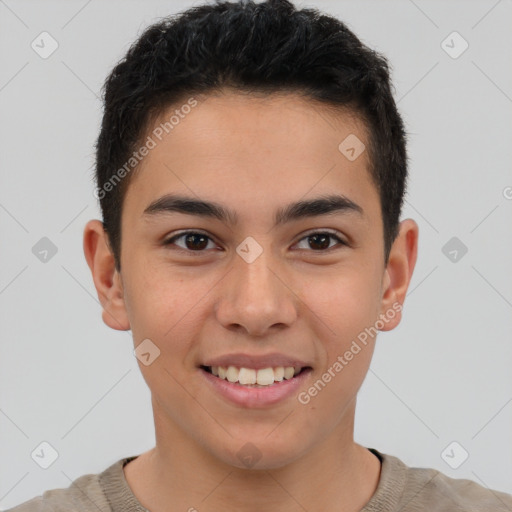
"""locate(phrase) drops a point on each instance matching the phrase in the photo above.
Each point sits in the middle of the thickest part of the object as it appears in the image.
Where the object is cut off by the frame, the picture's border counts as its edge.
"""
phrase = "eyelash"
(332, 235)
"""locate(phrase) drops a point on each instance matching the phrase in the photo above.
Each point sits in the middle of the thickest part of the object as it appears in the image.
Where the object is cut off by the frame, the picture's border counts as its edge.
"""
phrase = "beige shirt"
(401, 488)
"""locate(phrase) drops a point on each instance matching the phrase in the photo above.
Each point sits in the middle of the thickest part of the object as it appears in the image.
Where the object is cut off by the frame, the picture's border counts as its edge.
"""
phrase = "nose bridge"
(257, 283)
(254, 297)
(258, 277)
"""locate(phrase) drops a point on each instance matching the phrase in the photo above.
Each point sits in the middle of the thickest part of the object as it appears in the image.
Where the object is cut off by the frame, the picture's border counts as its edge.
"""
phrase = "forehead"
(286, 118)
(243, 147)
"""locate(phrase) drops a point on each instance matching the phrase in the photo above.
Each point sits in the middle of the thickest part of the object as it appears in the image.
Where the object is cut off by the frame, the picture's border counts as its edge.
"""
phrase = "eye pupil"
(193, 237)
(324, 243)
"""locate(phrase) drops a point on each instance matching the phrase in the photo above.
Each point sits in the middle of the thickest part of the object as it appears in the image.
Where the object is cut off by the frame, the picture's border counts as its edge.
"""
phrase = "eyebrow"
(324, 205)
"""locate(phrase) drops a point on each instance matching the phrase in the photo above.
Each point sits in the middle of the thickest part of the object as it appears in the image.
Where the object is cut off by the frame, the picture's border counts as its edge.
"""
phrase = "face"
(250, 240)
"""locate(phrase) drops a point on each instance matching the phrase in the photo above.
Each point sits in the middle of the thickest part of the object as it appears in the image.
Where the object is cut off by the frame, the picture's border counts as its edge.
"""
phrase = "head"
(276, 134)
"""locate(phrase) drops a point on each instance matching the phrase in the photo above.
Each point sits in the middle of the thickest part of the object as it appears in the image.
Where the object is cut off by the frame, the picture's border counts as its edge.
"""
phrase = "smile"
(255, 388)
(252, 377)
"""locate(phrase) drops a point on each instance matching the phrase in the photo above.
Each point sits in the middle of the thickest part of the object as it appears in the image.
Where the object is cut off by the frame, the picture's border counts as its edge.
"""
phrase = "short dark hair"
(267, 47)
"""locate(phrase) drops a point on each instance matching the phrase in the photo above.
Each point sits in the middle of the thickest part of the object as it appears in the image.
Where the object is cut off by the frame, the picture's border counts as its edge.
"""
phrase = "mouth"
(256, 378)
(256, 381)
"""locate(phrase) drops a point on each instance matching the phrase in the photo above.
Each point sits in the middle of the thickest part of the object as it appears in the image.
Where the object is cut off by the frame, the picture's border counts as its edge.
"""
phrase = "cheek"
(347, 302)
(165, 310)
(156, 300)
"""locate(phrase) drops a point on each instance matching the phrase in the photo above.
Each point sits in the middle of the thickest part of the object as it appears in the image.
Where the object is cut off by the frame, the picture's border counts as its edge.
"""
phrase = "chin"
(260, 453)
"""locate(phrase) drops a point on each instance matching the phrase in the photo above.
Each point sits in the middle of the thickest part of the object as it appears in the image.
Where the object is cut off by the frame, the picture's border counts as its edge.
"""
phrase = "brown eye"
(320, 241)
(192, 240)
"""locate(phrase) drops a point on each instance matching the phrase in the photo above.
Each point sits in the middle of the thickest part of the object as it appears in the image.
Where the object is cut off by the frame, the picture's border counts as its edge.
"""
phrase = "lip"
(256, 398)
(254, 361)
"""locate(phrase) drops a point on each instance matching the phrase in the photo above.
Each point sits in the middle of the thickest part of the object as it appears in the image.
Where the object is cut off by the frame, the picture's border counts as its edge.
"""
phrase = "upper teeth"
(247, 376)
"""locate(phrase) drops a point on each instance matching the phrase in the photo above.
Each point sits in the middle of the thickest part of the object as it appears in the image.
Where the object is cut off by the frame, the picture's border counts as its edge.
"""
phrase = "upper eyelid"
(333, 233)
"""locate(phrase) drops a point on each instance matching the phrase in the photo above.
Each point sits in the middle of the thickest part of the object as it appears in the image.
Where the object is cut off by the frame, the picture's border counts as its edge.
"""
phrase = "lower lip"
(256, 397)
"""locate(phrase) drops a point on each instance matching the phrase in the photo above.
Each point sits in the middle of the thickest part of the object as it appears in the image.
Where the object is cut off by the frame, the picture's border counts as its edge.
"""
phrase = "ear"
(398, 273)
(107, 279)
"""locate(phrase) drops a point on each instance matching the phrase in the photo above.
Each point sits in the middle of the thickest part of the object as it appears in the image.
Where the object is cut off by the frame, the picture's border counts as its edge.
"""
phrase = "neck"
(337, 474)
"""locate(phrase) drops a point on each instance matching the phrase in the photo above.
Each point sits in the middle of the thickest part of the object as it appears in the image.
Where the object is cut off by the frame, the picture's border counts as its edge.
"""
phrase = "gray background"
(443, 375)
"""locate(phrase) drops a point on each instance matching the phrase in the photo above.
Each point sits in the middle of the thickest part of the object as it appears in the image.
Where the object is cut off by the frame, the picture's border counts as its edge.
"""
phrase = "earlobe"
(398, 273)
(106, 279)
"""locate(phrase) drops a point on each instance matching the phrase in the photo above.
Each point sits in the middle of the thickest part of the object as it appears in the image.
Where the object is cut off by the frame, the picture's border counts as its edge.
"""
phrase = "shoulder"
(84, 494)
(429, 489)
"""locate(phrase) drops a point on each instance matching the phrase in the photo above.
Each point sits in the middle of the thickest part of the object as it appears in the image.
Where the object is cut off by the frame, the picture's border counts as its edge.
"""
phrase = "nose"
(255, 298)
